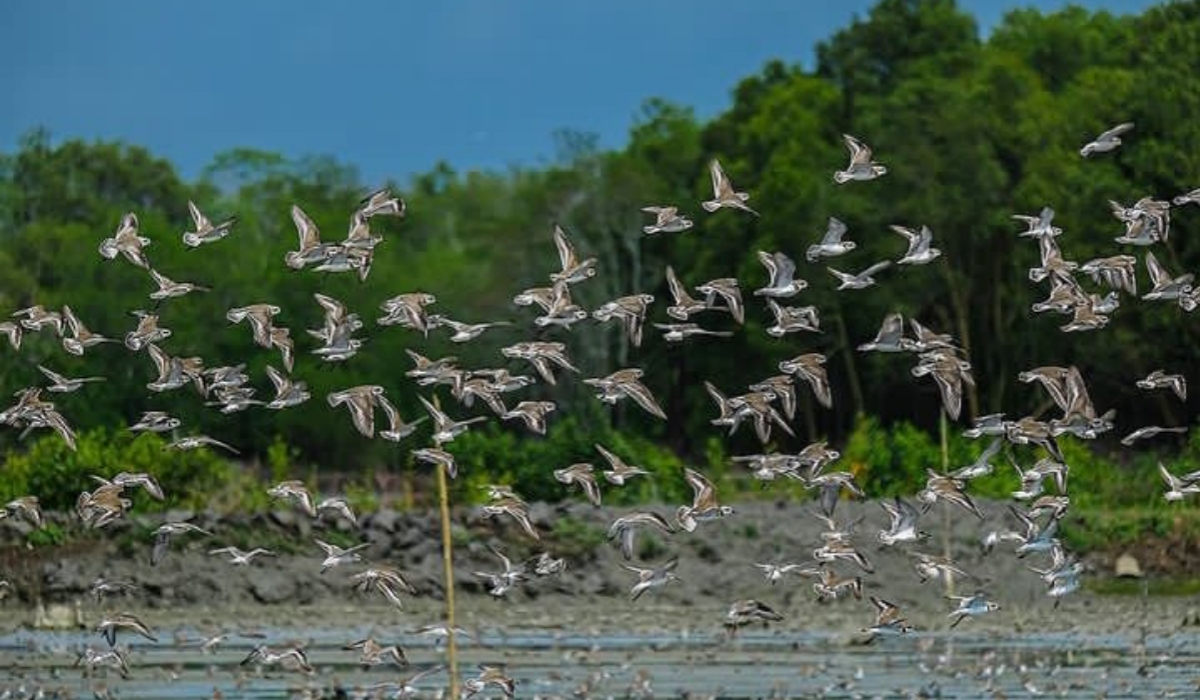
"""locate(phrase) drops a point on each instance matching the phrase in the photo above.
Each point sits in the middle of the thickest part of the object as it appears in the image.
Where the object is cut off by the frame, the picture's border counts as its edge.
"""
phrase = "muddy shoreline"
(716, 567)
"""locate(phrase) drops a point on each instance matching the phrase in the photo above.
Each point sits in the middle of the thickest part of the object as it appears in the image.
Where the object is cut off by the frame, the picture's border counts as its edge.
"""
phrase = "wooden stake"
(448, 581)
(946, 524)
(448, 574)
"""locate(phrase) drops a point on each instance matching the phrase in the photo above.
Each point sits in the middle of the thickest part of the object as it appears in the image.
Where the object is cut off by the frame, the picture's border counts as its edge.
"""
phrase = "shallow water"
(759, 663)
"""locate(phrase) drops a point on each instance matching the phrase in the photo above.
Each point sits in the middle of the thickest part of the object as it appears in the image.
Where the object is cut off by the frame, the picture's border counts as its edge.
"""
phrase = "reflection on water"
(563, 664)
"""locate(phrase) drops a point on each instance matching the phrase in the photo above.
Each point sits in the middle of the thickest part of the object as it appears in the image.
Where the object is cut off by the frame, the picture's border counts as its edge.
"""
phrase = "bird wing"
(1115, 131)
(566, 252)
(833, 232)
(307, 231)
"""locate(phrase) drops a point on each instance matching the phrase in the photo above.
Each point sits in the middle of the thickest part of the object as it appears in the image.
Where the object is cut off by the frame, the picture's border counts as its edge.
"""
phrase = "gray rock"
(384, 519)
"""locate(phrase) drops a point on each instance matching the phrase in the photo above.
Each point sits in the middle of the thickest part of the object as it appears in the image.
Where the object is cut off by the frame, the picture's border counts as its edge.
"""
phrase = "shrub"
(527, 462)
(56, 474)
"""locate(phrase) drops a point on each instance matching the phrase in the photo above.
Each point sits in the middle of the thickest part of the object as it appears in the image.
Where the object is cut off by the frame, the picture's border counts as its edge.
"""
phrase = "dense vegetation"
(973, 131)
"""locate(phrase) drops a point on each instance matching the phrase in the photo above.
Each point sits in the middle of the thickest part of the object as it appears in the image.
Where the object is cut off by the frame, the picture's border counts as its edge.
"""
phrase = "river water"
(759, 663)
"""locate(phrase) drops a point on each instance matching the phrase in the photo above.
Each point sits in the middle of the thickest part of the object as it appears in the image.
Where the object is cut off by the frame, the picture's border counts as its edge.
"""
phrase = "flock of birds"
(836, 567)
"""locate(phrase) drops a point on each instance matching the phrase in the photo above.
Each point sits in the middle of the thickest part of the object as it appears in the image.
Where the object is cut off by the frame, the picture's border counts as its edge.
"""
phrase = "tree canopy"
(972, 130)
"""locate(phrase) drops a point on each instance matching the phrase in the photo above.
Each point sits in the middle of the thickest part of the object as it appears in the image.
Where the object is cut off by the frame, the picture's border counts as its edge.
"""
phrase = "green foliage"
(527, 462)
(48, 535)
(574, 538)
(973, 131)
(192, 479)
(889, 462)
(1118, 528)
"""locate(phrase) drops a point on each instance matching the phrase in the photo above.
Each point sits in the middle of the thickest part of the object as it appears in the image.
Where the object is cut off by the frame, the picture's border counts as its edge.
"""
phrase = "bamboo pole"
(447, 573)
(946, 524)
(448, 581)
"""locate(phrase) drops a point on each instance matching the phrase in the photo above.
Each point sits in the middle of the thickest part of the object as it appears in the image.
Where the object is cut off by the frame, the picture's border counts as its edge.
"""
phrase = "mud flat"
(716, 562)
(579, 630)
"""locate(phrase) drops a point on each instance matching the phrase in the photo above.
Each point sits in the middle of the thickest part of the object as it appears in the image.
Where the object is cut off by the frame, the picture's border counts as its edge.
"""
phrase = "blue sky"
(393, 87)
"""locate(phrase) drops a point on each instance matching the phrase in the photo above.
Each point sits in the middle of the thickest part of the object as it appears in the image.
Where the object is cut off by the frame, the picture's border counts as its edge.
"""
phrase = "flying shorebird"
(294, 490)
(489, 675)
(27, 507)
(861, 166)
(360, 401)
(831, 244)
(774, 572)
(372, 653)
(863, 279)
(264, 656)
(1148, 432)
(619, 471)
(163, 535)
(704, 502)
(728, 289)
(204, 230)
(501, 583)
(891, 336)
(65, 385)
(109, 625)
(288, 392)
(405, 688)
(76, 341)
(339, 507)
(573, 269)
(782, 270)
(515, 508)
(749, 611)
(810, 367)
(444, 428)
(381, 203)
(1040, 226)
(677, 332)
(1106, 141)
(238, 557)
(666, 220)
(651, 577)
(969, 606)
(903, 526)
(626, 383)
(170, 289)
(724, 196)
(1158, 379)
(624, 529)
(112, 658)
(463, 332)
(437, 456)
(384, 579)
(684, 305)
(532, 413)
(919, 250)
(888, 620)
(582, 474)
(1178, 488)
(192, 442)
(336, 556)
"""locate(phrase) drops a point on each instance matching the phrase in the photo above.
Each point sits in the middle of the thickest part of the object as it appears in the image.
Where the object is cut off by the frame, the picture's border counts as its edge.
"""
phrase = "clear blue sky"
(393, 87)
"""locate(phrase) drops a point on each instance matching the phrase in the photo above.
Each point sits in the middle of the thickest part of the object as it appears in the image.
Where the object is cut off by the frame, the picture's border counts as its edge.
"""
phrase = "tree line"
(973, 130)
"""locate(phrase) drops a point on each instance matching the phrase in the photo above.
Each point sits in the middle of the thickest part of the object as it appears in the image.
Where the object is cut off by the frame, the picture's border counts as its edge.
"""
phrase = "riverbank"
(716, 567)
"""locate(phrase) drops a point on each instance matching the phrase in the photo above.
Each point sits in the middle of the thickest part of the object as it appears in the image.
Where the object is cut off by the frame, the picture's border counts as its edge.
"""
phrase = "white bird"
(919, 250)
(863, 279)
(1106, 141)
(667, 220)
(831, 244)
(862, 166)
(782, 270)
(205, 231)
(724, 196)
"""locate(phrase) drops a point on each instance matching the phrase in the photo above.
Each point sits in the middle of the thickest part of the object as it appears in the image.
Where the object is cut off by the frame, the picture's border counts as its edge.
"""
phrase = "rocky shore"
(716, 566)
